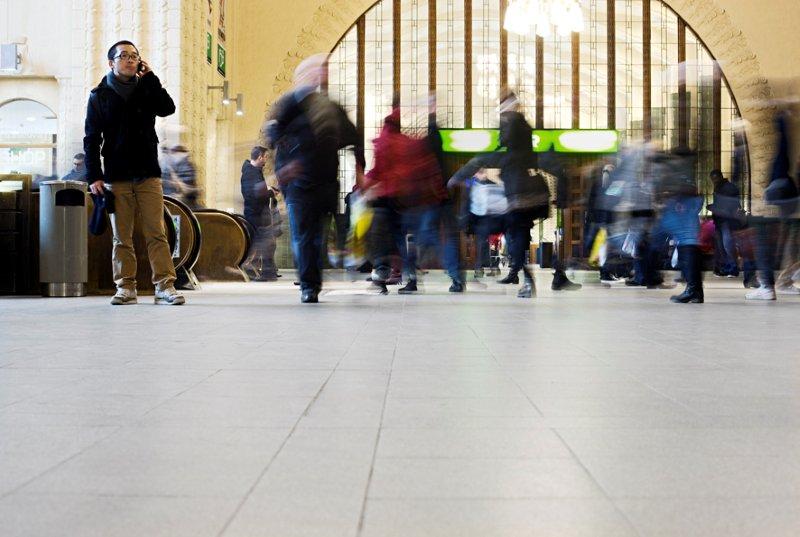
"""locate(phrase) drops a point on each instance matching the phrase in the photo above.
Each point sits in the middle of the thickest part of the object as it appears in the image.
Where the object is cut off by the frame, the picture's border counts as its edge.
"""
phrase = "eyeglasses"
(127, 57)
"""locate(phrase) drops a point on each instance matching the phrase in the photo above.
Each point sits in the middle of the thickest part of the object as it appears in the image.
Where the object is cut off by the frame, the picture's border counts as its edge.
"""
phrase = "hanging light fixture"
(543, 17)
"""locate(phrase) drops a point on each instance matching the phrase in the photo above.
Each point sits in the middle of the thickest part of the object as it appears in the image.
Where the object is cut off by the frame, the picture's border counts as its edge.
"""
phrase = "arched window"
(635, 67)
(27, 138)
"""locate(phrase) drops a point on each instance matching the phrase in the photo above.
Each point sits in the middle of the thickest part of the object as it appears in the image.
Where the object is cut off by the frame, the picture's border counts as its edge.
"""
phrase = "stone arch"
(709, 21)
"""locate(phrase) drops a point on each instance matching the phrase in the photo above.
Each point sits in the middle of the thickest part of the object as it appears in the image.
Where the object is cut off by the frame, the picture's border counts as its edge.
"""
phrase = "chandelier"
(543, 17)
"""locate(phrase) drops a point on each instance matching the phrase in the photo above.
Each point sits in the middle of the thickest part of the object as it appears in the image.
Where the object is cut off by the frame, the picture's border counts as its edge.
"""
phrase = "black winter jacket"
(309, 134)
(124, 132)
(256, 195)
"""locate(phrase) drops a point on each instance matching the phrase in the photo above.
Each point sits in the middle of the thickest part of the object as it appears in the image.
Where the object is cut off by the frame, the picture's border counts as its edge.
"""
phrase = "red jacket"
(405, 168)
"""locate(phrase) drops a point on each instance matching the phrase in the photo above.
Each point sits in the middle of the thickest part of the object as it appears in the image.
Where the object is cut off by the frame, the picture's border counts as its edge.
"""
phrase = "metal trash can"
(63, 238)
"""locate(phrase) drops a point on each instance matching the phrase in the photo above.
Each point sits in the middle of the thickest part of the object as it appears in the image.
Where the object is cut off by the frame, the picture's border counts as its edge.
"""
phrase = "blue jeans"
(451, 248)
(308, 220)
(725, 246)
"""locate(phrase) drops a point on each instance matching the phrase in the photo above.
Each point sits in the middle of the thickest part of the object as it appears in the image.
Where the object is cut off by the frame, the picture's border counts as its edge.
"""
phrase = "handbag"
(487, 199)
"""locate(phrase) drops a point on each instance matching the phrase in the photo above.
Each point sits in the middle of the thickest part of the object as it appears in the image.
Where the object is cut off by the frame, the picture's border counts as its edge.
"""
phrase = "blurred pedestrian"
(307, 130)
(726, 210)
(184, 177)
(527, 193)
(260, 210)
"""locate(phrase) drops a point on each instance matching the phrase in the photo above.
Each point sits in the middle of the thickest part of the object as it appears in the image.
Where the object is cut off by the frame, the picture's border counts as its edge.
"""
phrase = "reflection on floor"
(602, 412)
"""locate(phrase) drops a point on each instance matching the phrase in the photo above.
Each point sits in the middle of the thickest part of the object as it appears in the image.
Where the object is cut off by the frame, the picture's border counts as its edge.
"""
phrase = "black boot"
(409, 288)
(457, 287)
(309, 296)
(562, 283)
(513, 277)
(694, 280)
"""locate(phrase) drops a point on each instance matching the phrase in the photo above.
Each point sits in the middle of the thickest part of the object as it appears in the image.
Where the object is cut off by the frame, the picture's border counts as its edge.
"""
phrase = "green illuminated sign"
(221, 60)
(561, 141)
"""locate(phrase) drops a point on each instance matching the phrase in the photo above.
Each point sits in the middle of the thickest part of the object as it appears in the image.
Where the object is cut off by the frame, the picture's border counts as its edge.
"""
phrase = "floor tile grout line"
(574, 457)
(363, 513)
(172, 398)
(595, 482)
(508, 374)
(45, 392)
(285, 441)
(116, 429)
(60, 463)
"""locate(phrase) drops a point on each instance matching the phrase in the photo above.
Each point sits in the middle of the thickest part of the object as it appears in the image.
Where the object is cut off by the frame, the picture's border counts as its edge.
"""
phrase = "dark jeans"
(650, 258)
(767, 230)
(391, 226)
(387, 238)
(518, 237)
(483, 226)
(308, 221)
(262, 250)
(451, 249)
(725, 247)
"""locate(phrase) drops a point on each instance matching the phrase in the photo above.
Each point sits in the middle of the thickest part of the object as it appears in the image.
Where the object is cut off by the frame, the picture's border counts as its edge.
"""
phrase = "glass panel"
(594, 66)
(343, 89)
(522, 72)
(450, 63)
(557, 82)
(664, 70)
(629, 70)
(700, 95)
(485, 63)
(414, 66)
(378, 74)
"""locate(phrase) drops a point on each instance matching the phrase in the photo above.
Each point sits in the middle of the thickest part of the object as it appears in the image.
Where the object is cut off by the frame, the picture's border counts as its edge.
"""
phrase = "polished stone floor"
(603, 412)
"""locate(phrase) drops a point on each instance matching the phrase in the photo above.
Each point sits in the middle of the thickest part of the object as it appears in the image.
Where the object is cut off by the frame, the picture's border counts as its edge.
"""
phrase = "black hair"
(257, 151)
(716, 173)
(113, 50)
(79, 156)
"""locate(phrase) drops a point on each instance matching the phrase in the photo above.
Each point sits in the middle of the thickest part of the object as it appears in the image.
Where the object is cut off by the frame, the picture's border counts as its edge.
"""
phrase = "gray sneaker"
(169, 297)
(124, 297)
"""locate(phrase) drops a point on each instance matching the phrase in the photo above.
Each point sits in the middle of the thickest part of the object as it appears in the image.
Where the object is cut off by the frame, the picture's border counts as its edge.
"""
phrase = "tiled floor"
(605, 412)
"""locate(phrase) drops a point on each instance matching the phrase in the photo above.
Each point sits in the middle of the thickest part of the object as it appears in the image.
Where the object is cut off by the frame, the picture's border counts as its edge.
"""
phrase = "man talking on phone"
(120, 126)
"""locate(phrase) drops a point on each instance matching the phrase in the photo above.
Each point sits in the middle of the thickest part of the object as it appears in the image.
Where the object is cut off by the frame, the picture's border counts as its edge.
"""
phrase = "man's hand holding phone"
(143, 68)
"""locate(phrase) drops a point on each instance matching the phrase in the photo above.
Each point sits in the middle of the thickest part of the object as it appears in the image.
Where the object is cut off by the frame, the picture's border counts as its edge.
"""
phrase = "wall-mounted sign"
(562, 141)
(220, 60)
(209, 57)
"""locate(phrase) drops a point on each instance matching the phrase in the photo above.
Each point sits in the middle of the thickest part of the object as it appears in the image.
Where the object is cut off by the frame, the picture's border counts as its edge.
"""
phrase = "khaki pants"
(143, 200)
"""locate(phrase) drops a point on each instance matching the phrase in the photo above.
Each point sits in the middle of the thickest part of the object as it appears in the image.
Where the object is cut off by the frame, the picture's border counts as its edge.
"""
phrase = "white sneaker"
(762, 293)
(170, 297)
(123, 297)
(787, 290)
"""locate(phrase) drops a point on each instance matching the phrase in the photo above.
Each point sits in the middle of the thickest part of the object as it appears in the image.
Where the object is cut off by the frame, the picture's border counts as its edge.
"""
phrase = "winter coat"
(405, 169)
(123, 132)
(308, 134)
(256, 196)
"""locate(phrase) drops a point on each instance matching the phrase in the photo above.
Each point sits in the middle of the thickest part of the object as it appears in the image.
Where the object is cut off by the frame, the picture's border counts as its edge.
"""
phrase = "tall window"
(468, 75)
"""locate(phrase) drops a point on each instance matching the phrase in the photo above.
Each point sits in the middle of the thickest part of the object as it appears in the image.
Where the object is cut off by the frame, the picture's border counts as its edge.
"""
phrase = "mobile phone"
(140, 67)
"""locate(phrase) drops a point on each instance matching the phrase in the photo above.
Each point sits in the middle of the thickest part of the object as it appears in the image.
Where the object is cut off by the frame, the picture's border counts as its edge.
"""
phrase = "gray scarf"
(123, 89)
